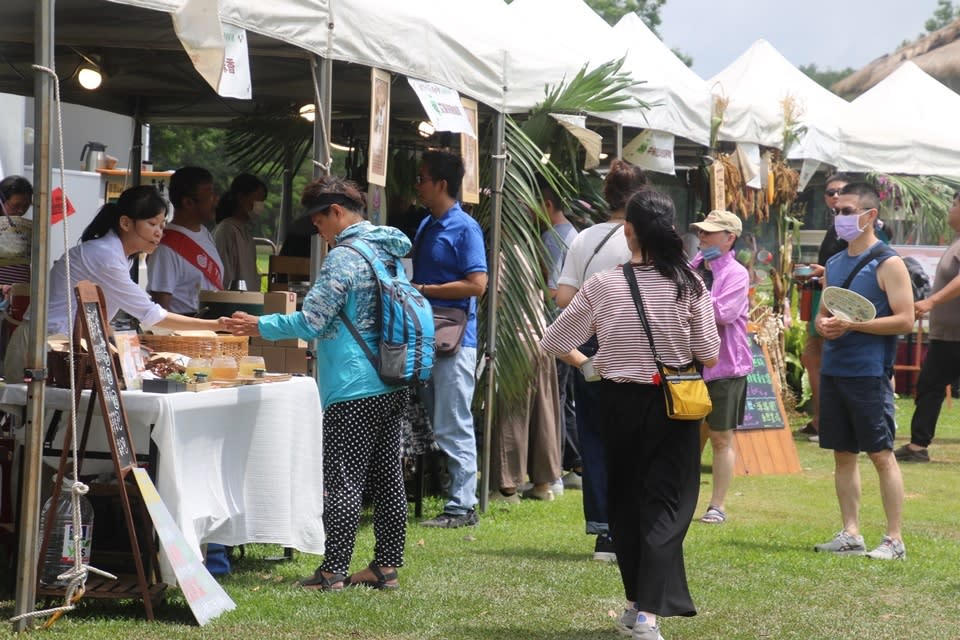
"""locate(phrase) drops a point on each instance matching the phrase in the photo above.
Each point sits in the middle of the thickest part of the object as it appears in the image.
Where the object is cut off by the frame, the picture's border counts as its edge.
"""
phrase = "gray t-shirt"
(945, 317)
(581, 263)
(557, 241)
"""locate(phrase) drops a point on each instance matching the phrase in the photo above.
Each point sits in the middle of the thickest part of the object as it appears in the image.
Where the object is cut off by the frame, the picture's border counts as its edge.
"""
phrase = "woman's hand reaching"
(242, 323)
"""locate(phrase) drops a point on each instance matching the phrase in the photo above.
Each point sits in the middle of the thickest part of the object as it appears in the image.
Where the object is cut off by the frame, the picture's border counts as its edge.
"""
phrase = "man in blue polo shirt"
(450, 270)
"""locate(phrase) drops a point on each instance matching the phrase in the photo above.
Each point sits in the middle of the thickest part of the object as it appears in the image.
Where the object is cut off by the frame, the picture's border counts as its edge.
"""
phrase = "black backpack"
(918, 278)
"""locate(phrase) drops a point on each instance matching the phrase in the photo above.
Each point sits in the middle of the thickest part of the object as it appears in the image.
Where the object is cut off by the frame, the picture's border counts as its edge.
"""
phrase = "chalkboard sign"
(92, 321)
(764, 408)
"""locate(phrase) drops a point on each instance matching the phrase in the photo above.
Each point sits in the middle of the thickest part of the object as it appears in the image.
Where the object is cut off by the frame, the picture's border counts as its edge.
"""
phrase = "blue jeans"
(448, 397)
(592, 454)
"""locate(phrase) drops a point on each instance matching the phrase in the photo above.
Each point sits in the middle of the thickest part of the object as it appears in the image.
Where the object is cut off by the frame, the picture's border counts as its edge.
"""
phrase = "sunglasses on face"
(850, 211)
(833, 192)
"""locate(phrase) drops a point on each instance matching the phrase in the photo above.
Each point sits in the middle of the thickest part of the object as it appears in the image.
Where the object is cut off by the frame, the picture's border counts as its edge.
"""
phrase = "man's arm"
(473, 285)
(162, 298)
(949, 292)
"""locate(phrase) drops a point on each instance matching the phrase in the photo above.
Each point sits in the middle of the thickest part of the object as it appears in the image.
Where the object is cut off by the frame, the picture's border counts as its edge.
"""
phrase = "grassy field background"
(526, 572)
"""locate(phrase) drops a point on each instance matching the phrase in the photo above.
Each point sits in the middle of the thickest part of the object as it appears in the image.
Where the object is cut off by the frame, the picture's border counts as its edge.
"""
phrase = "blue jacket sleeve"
(279, 326)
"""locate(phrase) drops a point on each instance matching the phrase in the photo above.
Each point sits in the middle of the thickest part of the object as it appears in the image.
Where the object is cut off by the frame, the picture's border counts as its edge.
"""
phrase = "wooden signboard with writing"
(765, 443)
(92, 325)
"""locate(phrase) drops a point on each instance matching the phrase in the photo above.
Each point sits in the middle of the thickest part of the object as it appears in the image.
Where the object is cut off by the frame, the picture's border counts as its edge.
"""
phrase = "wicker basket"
(199, 346)
(58, 370)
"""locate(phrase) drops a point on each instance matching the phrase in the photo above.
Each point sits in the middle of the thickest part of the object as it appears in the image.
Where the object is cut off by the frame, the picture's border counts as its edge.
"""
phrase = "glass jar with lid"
(224, 368)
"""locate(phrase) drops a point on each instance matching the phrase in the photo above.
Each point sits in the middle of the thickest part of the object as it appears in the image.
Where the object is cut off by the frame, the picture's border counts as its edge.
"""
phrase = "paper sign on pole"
(652, 150)
(379, 127)
(206, 597)
(57, 204)
(443, 107)
(470, 155)
(748, 158)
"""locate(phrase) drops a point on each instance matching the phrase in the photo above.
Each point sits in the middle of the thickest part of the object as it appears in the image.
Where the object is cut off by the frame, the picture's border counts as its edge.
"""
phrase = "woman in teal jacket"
(361, 420)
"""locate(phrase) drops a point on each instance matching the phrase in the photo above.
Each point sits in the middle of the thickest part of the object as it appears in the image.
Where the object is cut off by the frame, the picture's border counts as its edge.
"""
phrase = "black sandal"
(320, 582)
(382, 579)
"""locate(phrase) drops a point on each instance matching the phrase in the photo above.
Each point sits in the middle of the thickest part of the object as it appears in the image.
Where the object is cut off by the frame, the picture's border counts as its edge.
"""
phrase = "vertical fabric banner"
(442, 106)
(379, 126)
(470, 155)
(652, 150)
(235, 75)
(197, 25)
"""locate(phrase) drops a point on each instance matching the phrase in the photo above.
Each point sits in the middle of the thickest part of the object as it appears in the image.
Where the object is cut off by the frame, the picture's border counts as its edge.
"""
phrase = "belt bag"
(684, 390)
(449, 324)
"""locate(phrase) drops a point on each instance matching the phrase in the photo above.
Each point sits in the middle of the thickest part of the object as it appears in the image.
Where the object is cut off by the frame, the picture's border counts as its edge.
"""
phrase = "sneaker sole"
(604, 556)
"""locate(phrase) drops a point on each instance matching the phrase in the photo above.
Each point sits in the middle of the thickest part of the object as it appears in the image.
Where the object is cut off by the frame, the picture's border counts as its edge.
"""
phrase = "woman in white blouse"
(132, 225)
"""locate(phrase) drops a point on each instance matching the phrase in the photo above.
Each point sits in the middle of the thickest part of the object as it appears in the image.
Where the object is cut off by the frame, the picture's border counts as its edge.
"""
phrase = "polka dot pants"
(361, 441)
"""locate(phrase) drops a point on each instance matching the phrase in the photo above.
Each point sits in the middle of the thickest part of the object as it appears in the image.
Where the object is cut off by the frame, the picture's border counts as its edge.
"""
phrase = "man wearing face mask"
(856, 398)
(728, 282)
(242, 205)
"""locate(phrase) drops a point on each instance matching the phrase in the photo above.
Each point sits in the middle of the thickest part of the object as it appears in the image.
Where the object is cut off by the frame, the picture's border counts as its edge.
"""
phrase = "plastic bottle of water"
(59, 555)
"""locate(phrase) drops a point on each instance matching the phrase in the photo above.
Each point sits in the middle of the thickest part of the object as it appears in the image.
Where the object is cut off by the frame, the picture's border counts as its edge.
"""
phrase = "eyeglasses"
(420, 179)
(849, 211)
(833, 192)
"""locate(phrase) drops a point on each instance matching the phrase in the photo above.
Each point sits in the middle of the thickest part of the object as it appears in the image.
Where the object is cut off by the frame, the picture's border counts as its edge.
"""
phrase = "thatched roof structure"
(937, 53)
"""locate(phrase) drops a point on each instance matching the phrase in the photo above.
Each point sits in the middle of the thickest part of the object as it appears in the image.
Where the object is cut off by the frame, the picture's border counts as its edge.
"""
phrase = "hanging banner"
(748, 158)
(471, 159)
(443, 107)
(235, 75)
(591, 141)
(652, 150)
(218, 51)
(197, 25)
(379, 126)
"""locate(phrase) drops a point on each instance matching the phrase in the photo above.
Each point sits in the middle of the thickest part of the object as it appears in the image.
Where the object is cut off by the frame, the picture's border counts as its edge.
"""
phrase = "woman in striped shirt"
(653, 462)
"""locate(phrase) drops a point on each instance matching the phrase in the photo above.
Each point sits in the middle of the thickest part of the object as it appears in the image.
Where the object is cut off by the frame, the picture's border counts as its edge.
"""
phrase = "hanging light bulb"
(308, 112)
(89, 76)
(426, 128)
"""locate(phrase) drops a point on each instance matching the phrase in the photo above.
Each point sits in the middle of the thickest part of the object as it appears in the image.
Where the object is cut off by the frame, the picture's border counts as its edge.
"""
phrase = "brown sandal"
(381, 582)
(320, 582)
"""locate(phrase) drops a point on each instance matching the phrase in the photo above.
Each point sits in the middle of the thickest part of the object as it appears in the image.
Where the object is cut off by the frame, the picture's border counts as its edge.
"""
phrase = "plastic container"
(249, 365)
(224, 368)
(59, 554)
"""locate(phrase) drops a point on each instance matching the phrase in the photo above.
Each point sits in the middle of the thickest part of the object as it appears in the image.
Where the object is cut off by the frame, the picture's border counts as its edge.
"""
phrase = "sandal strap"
(323, 581)
(382, 577)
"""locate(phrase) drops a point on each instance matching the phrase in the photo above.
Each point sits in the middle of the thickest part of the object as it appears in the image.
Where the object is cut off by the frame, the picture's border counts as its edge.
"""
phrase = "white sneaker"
(557, 487)
(573, 480)
(843, 544)
(626, 620)
(889, 549)
(643, 631)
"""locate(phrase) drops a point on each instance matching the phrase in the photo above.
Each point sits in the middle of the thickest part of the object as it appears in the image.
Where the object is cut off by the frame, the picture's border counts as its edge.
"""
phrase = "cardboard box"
(274, 358)
(279, 302)
(298, 360)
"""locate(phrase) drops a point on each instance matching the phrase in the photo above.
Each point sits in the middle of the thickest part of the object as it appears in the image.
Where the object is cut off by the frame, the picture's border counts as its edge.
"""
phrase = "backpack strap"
(881, 252)
(366, 252)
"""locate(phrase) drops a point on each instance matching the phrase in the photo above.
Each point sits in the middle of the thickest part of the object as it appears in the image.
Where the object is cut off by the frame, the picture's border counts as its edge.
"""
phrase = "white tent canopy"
(906, 123)
(679, 98)
(756, 85)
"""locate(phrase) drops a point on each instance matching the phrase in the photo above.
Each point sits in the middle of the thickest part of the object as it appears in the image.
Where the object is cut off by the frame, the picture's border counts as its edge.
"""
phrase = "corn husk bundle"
(785, 181)
(733, 183)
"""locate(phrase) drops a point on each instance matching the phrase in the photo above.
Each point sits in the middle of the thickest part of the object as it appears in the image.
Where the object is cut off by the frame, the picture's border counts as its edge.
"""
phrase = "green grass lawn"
(526, 572)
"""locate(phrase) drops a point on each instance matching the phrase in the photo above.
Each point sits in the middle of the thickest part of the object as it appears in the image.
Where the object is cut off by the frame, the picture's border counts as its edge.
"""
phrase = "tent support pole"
(619, 141)
(26, 586)
(493, 265)
(136, 153)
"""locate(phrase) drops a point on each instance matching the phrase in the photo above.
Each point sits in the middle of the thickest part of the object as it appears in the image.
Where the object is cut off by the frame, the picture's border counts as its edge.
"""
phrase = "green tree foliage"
(613, 10)
(943, 15)
(827, 77)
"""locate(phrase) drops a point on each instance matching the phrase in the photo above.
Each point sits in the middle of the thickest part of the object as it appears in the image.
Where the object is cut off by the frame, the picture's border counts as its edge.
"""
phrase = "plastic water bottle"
(59, 555)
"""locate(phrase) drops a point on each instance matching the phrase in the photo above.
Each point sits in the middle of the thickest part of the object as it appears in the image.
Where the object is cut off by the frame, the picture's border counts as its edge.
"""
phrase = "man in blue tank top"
(856, 397)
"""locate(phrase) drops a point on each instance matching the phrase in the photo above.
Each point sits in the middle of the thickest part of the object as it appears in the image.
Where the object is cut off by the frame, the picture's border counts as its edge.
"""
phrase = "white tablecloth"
(235, 465)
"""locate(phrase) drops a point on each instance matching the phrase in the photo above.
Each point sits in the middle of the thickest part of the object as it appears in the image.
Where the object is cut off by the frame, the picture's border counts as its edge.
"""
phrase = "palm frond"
(269, 143)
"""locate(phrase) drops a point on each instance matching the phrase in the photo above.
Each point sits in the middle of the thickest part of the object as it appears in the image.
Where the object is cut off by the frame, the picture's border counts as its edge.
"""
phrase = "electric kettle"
(93, 156)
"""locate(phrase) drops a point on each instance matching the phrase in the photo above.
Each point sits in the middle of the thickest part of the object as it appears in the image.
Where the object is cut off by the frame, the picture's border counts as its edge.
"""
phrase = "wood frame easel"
(91, 323)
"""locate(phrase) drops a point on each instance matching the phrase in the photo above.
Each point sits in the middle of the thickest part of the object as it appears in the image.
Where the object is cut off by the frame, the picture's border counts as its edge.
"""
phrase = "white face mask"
(259, 208)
